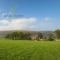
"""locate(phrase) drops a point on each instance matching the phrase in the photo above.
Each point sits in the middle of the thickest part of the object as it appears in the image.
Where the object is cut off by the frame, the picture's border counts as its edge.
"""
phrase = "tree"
(40, 35)
(57, 32)
(51, 37)
(19, 36)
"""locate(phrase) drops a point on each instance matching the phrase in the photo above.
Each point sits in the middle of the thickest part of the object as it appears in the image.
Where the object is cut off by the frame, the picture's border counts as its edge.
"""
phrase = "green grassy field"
(29, 50)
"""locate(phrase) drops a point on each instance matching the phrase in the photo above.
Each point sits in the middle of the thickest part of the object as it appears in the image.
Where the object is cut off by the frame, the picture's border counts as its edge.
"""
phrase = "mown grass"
(29, 50)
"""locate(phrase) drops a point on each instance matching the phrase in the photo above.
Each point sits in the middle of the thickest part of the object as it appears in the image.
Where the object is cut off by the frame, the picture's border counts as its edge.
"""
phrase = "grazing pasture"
(29, 50)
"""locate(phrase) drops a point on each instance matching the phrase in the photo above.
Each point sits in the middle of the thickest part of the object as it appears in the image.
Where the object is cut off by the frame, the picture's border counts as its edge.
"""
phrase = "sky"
(33, 15)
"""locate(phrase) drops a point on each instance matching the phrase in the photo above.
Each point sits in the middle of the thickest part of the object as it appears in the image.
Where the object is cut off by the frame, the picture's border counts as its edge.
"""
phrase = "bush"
(50, 39)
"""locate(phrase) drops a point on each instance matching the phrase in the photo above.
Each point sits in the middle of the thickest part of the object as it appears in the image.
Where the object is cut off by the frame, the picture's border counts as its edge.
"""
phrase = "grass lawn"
(29, 50)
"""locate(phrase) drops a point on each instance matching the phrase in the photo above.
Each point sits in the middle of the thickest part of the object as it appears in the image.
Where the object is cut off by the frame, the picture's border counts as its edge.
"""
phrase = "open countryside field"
(29, 50)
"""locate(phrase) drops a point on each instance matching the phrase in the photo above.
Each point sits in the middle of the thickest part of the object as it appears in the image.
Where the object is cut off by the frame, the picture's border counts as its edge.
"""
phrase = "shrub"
(50, 39)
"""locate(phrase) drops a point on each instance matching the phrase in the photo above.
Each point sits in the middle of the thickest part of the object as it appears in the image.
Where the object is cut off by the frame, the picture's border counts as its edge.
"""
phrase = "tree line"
(22, 35)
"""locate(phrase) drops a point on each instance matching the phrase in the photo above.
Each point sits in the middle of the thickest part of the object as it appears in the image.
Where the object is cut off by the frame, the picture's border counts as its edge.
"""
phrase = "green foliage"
(24, 36)
(51, 39)
(57, 32)
(17, 35)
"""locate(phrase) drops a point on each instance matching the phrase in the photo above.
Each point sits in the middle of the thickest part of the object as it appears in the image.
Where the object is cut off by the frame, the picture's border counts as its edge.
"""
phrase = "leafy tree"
(57, 32)
(19, 36)
(51, 37)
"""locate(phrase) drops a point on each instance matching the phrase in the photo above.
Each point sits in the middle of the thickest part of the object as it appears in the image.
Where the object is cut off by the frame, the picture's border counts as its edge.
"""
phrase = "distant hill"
(4, 33)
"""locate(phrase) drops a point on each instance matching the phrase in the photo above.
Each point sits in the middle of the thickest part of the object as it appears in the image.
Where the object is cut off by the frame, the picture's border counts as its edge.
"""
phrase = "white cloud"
(28, 24)
(18, 23)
